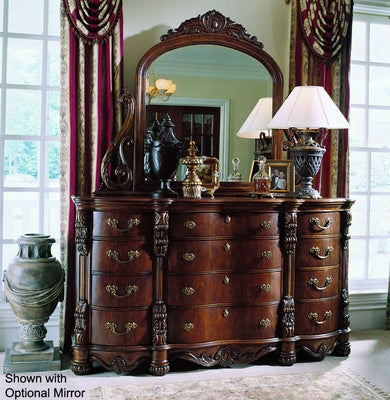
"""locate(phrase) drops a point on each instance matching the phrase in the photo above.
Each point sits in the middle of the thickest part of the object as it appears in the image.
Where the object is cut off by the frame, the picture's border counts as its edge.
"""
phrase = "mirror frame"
(210, 28)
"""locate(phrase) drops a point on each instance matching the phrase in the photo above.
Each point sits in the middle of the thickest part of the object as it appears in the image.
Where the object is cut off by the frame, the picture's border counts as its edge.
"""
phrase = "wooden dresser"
(212, 281)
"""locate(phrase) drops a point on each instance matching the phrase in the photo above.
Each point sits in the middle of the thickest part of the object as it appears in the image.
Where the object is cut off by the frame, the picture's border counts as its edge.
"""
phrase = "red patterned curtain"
(91, 85)
(320, 56)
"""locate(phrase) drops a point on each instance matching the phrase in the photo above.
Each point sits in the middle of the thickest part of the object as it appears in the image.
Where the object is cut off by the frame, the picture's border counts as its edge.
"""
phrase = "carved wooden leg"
(81, 365)
(287, 353)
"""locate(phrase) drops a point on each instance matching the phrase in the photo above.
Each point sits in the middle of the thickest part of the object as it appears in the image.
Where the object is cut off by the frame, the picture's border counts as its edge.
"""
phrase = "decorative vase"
(34, 284)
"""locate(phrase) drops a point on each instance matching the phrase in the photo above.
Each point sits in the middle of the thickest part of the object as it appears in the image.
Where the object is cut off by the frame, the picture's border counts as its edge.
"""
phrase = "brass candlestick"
(192, 185)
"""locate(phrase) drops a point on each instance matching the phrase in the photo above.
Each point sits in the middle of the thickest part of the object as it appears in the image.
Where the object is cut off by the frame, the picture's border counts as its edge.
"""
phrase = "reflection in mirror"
(213, 76)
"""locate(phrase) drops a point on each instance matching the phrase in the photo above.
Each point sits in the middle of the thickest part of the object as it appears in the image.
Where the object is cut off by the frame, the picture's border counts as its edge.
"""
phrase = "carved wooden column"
(81, 363)
(159, 364)
(287, 354)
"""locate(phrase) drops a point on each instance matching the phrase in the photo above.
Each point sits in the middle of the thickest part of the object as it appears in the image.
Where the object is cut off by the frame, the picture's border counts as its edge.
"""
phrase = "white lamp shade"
(308, 107)
(163, 84)
(257, 120)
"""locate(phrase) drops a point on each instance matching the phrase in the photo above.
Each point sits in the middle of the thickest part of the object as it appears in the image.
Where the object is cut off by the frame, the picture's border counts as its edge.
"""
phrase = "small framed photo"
(281, 173)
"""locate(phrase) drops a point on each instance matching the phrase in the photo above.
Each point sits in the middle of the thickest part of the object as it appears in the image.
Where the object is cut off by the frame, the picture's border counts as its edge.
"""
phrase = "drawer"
(114, 224)
(221, 323)
(318, 223)
(120, 327)
(315, 317)
(317, 252)
(121, 257)
(223, 224)
(316, 283)
(224, 288)
(214, 255)
(123, 291)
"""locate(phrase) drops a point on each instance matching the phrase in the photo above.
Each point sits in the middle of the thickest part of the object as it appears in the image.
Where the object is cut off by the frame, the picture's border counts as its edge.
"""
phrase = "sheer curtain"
(320, 52)
(91, 86)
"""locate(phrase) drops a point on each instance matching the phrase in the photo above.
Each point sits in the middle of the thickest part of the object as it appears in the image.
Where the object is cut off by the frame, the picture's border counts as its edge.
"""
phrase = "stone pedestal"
(34, 361)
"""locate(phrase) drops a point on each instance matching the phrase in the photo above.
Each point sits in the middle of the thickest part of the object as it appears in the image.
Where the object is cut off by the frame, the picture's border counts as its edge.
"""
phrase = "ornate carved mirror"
(211, 33)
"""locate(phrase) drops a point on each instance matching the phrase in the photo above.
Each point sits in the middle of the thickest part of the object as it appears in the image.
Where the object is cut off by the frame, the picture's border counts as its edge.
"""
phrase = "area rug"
(331, 385)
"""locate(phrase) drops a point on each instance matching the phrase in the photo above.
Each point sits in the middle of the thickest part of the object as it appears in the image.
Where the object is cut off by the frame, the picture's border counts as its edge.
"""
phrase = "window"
(370, 153)
(29, 121)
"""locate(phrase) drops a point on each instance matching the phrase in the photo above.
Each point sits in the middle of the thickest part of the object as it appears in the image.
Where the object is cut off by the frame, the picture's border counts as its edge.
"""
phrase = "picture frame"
(284, 186)
(209, 174)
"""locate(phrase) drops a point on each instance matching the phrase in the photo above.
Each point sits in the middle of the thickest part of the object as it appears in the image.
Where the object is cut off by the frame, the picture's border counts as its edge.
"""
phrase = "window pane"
(359, 41)
(20, 163)
(357, 259)
(23, 112)
(358, 84)
(359, 216)
(357, 127)
(22, 214)
(378, 33)
(53, 114)
(53, 63)
(52, 215)
(380, 176)
(52, 166)
(24, 62)
(54, 17)
(26, 16)
(380, 86)
(379, 216)
(1, 14)
(358, 171)
(379, 258)
(378, 128)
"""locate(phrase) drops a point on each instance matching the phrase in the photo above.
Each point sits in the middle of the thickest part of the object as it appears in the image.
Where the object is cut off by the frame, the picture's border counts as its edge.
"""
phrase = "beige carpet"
(330, 385)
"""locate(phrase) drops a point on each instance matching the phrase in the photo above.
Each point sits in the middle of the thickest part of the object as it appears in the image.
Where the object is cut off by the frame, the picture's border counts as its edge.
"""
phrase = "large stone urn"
(34, 284)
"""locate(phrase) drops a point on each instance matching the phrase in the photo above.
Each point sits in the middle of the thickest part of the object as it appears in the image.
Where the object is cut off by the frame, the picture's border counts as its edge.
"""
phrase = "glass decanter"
(235, 176)
(261, 182)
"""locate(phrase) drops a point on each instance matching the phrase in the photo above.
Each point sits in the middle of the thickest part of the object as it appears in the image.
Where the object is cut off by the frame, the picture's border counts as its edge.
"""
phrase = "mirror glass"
(209, 75)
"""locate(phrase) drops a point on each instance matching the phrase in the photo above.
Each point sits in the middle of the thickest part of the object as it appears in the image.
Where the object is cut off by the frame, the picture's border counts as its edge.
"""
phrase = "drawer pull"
(189, 256)
(131, 223)
(226, 280)
(266, 224)
(188, 290)
(314, 317)
(226, 246)
(190, 224)
(188, 326)
(228, 219)
(131, 255)
(265, 323)
(225, 313)
(315, 222)
(265, 287)
(131, 289)
(129, 326)
(313, 282)
(267, 254)
(316, 252)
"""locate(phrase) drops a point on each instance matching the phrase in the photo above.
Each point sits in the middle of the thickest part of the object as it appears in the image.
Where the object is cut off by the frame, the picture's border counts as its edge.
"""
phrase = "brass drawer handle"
(131, 255)
(188, 290)
(315, 222)
(314, 317)
(266, 224)
(226, 280)
(226, 246)
(131, 289)
(189, 256)
(265, 287)
(129, 326)
(225, 313)
(190, 224)
(265, 323)
(131, 223)
(188, 326)
(267, 254)
(316, 252)
(228, 219)
(314, 282)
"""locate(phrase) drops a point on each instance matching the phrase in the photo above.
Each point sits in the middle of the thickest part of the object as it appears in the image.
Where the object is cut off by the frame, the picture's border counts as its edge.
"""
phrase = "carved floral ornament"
(93, 20)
